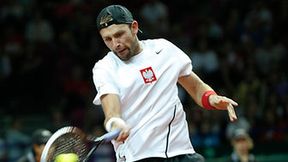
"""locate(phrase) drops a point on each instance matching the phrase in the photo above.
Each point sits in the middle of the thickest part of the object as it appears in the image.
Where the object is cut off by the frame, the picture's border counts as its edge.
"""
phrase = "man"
(136, 85)
(39, 139)
(242, 145)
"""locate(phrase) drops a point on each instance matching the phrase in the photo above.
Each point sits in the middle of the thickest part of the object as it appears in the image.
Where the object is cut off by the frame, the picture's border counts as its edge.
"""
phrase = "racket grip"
(111, 135)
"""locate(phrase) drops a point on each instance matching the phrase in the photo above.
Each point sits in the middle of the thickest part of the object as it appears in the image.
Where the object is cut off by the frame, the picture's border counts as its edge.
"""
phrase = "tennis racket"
(73, 140)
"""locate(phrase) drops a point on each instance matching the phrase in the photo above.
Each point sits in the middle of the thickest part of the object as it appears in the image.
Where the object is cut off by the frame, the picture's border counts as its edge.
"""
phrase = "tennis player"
(136, 85)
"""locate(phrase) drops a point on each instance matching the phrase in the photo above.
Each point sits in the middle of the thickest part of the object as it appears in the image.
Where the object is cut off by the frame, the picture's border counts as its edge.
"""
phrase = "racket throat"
(93, 149)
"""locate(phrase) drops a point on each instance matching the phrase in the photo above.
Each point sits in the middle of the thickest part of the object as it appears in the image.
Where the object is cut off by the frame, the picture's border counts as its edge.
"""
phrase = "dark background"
(239, 47)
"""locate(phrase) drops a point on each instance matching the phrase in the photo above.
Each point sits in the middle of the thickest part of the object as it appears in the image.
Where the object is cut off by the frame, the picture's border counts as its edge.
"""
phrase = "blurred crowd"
(48, 49)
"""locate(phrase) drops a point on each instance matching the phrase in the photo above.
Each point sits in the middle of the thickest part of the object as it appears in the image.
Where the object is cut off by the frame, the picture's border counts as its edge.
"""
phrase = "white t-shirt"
(147, 87)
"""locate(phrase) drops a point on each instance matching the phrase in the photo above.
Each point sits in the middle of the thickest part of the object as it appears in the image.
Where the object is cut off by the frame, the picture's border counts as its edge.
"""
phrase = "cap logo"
(104, 21)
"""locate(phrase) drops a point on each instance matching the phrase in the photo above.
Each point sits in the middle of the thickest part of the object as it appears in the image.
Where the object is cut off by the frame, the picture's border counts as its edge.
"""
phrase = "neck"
(137, 47)
(244, 156)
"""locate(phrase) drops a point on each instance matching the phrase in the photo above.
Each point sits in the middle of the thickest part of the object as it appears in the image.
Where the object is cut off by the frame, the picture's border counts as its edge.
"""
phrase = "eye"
(119, 34)
(107, 39)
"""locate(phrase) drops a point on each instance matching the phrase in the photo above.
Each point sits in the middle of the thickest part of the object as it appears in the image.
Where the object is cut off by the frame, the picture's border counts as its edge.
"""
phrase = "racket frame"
(96, 142)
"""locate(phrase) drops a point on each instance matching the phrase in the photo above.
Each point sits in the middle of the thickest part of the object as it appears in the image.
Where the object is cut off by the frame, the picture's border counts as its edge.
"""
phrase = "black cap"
(113, 14)
(41, 136)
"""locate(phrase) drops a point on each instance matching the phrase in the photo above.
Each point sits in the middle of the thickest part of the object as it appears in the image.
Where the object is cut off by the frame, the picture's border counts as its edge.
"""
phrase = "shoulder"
(159, 45)
(23, 159)
(106, 62)
(159, 41)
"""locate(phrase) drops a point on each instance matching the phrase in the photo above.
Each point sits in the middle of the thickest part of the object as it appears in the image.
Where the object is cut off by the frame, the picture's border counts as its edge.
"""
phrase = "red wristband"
(205, 100)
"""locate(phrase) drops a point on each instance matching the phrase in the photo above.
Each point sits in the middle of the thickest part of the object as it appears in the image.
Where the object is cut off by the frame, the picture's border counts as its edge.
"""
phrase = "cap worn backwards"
(113, 14)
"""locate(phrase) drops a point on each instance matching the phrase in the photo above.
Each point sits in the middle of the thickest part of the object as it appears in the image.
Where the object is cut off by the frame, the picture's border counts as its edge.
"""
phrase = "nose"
(116, 43)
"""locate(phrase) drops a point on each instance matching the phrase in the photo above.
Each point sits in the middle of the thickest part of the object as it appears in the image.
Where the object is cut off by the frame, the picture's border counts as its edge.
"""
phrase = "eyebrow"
(114, 34)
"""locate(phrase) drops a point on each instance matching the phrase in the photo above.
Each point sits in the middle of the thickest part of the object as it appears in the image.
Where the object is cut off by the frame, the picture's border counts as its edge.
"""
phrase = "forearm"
(205, 96)
(195, 87)
(112, 111)
(111, 106)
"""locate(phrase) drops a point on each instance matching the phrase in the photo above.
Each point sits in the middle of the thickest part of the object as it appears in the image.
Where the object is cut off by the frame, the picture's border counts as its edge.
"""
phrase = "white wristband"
(109, 123)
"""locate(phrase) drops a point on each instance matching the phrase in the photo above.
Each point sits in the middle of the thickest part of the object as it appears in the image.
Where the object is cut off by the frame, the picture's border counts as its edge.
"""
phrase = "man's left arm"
(205, 96)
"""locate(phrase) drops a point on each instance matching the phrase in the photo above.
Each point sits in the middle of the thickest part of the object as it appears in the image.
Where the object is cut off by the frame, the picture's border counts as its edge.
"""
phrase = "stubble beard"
(132, 51)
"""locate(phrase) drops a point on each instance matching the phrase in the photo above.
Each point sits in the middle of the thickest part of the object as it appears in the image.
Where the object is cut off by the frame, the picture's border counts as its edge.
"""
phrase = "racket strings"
(69, 143)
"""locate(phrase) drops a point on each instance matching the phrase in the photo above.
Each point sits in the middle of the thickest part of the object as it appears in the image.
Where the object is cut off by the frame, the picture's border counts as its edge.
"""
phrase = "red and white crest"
(148, 75)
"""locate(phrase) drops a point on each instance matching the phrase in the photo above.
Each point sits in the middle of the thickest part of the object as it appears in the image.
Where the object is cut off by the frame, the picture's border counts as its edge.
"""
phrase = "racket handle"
(111, 135)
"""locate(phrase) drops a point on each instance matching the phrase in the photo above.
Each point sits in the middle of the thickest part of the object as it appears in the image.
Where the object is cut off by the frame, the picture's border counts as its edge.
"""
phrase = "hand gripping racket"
(73, 140)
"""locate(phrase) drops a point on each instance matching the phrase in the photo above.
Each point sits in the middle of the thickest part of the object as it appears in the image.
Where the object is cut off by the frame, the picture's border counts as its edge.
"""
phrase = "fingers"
(118, 123)
(232, 102)
(227, 100)
(231, 113)
(125, 131)
(123, 135)
(224, 103)
(221, 102)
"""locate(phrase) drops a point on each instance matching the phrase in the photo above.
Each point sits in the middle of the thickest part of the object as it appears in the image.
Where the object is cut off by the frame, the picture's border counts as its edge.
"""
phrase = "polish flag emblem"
(148, 75)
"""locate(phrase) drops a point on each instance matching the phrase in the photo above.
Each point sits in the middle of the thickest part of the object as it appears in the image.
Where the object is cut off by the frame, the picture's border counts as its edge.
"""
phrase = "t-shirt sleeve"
(186, 65)
(182, 60)
(104, 83)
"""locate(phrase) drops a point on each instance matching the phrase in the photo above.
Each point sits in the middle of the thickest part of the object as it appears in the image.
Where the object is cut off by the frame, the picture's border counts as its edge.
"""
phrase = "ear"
(134, 27)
